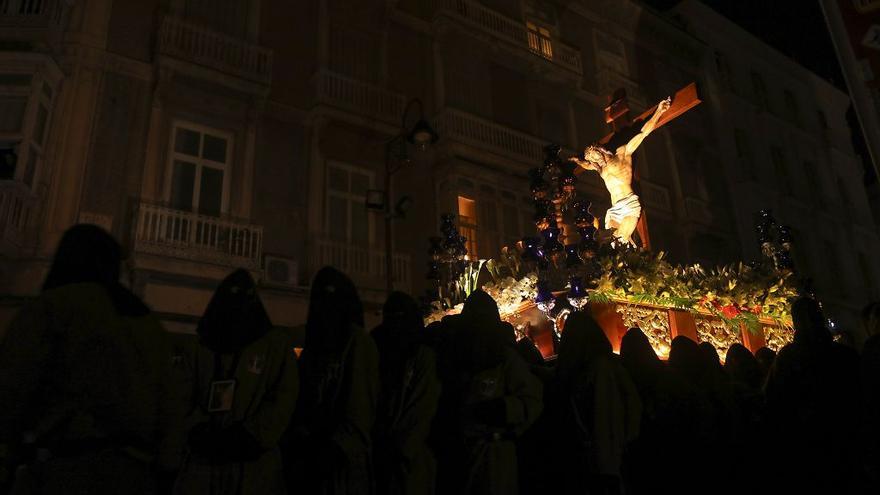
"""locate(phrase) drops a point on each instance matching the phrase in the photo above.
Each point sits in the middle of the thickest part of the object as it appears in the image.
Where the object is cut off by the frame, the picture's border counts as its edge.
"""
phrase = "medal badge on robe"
(256, 364)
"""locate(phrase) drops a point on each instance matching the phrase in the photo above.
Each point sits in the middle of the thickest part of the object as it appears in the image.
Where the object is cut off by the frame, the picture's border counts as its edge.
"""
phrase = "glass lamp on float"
(555, 250)
(577, 294)
(572, 258)
(544, 299)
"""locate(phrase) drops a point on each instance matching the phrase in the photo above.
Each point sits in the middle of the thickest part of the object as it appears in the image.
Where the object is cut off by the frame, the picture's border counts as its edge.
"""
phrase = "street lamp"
(422, 136)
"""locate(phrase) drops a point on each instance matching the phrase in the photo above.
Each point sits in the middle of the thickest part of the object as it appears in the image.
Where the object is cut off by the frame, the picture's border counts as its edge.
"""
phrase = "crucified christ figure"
(616, 170)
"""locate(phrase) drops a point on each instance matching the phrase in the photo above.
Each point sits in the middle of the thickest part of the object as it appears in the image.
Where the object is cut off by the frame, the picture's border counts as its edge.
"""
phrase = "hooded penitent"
(235, 316)
(582, 342)
(89, 254)
(403, 464)
(639, 357)
(335, 311)
(742, 366)
(481, 336)
(329, 445)
(397, 337)
(686, 359)
(809, 324)
(86, 370)
(599, 403)
(86, 253)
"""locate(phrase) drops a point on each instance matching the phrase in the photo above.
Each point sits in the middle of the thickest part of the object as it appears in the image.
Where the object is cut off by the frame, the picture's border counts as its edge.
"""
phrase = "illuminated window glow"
(539, 40)
(467, 225)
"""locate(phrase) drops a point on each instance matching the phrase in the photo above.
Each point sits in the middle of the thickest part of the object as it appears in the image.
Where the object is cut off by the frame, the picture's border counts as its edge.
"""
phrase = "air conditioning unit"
(280, 271)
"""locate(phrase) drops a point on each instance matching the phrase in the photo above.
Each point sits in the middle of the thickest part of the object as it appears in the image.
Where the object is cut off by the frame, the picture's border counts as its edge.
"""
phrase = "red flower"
(730, 311)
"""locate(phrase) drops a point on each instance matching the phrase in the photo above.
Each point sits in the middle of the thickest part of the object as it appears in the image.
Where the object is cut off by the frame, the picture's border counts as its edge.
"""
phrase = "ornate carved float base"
(661, 325)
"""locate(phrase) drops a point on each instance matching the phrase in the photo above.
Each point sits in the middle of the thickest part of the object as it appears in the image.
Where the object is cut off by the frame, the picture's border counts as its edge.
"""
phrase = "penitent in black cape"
(235, 316)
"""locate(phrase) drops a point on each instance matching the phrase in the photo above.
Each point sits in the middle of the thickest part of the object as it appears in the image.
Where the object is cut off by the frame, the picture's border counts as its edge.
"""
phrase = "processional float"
(573, 264)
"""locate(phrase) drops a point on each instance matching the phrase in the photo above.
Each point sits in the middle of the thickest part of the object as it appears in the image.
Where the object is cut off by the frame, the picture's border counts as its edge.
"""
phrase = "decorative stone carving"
(776, 337)
(717, 333)
(653, 322)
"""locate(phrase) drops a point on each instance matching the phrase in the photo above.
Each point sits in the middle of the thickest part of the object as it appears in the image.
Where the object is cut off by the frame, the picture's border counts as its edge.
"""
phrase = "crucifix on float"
(611, 157)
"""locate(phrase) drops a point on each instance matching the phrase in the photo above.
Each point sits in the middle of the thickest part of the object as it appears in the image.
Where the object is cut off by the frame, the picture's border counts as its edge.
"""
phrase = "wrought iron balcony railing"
(510, 30)
(182, 234)
(365, 266)
(31, 13)
(476, 131)
(359, 97)
(209, 48)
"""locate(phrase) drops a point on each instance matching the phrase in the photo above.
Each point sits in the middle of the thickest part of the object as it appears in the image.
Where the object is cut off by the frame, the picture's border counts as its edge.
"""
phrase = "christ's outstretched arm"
(634, 143)
(588, 165)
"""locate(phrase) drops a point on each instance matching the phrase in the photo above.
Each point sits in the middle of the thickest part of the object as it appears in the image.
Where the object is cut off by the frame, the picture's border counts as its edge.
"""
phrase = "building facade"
(852, 25)
(208, 135)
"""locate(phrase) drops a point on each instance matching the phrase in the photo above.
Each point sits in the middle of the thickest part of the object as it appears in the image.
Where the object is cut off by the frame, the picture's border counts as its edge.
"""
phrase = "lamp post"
(421, 135)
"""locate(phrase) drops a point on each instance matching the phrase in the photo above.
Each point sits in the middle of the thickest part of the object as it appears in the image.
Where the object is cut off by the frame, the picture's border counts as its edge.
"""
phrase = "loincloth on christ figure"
(626, 207)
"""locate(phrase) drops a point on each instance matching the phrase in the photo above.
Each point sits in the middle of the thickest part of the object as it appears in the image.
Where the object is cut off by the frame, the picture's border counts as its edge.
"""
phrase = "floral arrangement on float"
(555, 277)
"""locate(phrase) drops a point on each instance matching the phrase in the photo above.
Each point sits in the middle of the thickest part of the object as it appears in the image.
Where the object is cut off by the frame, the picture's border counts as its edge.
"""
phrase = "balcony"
(507, 29)
(17, 210)
(359, 97)
(217, 51)
(609, 81)
(698, 211)
(655, 196)
(478, 132)
(31, 13)
(366, 267)
(181, 234)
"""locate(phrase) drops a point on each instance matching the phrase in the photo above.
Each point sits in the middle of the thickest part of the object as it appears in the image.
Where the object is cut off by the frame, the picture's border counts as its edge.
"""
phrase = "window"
(25, 109)
(510, 218)
(744, 152)
(488, 219)
(780, 170)
(199, 169)
(12, 112)
(791, 107)
(346, 212)
(759, 89)
(467, 225)
(610, 53)
(539, 40)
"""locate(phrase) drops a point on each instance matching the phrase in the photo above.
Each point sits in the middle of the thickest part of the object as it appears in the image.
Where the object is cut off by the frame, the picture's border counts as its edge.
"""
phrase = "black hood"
(89, 254)
(480, 336)
(235, 316)
(401, 313)
(742, 366)
(335, 311)
(86, 253)
(686, 358)
(397, 338)
(638, 356)
(809, 324)
(402, 326)
(583, 341)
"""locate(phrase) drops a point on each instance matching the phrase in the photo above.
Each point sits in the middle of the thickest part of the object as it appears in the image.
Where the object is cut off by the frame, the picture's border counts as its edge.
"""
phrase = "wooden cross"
(617, 115)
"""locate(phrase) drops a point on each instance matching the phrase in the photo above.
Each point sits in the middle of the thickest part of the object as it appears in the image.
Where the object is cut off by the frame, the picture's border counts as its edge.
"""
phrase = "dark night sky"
(794, 27)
